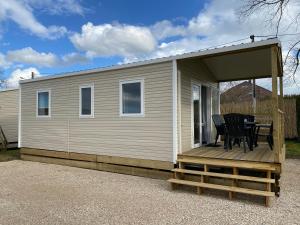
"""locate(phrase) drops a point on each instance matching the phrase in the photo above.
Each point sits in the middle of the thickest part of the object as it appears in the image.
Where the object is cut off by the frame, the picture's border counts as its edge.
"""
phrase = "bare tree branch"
(277, 10)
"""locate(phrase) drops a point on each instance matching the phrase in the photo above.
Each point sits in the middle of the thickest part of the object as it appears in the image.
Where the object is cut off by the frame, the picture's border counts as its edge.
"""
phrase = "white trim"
(209, 114)
(92, 100)
(130, 81)
(193, 145)
(174, 108)
(179, 115)
(49, 103)
(19, 118)
(160, 60)
(219, 99)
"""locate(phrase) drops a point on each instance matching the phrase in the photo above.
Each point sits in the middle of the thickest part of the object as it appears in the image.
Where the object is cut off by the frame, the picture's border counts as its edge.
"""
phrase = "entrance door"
(201, 115)
(196, 114)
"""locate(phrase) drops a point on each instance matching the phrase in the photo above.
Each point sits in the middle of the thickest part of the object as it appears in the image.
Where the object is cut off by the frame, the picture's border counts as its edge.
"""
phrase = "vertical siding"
(148, 137)
(190, 71)
(9, 114)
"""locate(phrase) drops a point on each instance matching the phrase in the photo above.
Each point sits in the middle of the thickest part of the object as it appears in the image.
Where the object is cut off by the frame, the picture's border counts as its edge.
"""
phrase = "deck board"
(262, 153)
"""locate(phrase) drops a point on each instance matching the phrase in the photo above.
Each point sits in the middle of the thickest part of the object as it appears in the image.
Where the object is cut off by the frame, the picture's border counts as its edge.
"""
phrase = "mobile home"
(9, 108)
(144, 117)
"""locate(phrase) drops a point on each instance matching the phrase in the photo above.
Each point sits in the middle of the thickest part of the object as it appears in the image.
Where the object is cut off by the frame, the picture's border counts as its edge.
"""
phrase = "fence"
(264, 113)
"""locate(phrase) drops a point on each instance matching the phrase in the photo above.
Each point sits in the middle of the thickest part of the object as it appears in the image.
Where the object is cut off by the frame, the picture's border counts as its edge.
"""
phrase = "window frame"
(142, 113)
(92, 100)
(49, 103)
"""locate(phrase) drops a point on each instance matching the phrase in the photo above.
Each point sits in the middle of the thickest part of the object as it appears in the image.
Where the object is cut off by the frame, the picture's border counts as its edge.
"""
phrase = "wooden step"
(222, 187)
(223, 175)
(227, 163)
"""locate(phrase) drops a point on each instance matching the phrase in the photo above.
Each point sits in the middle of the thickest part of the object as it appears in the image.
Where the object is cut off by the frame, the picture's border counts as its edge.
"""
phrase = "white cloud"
(3, 62)
(73, 58)
(22, 14)
(30, 56)
(165, 28)
(41, 59)
(219, 22)
(111, 40)
(20, 74)
(57, 7)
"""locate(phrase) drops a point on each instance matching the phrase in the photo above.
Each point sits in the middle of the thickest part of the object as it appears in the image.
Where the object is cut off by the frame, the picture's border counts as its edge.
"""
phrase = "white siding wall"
(148, 137)
(9, 114)
(190, 71)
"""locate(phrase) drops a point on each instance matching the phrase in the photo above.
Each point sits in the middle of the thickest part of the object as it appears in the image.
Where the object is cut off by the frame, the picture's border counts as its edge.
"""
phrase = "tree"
(277, 10)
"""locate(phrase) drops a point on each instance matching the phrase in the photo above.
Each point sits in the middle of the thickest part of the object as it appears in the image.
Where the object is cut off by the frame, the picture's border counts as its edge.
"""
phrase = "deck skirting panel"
(130, 166)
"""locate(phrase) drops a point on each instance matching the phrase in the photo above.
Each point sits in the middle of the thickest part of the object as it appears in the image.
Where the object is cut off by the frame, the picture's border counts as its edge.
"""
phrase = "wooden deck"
(262, 153)
(253, 172)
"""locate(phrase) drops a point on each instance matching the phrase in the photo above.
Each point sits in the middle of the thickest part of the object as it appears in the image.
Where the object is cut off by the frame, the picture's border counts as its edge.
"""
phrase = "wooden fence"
(264, 113)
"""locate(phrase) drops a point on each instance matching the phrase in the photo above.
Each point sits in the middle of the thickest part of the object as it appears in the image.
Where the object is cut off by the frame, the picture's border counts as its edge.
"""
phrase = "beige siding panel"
(9, 114)
(196, 72)
(148, 137)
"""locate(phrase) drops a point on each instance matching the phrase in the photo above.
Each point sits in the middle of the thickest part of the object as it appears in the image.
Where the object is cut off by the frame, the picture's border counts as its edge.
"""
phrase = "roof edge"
(8, 89)
(268, 42)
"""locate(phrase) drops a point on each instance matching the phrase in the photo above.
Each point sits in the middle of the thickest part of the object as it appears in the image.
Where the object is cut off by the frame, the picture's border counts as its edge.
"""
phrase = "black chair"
(269, 135)
(250, 118)
(252, 127)
(219, 124)
(236, 129)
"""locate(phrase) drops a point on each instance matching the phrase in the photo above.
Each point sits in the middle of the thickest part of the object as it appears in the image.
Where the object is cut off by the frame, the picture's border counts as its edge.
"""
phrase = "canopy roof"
(254, 60)
(237, 62)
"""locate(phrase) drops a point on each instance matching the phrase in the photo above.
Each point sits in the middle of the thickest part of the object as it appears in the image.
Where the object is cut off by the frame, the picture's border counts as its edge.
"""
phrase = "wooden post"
(200, 191)
(254, 96)
(268, 188)
(206, 170)
(281, 93)
(282, 109)
(276, 146)
(233, 182)
(204, 179)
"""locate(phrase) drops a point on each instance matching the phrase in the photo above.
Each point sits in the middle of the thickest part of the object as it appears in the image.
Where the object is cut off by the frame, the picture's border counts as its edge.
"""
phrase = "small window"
(132, 98)
(86, 101)
(43, 103)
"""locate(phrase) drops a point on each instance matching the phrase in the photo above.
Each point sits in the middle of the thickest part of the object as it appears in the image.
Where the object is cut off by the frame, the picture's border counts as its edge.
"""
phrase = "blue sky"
(55, 36)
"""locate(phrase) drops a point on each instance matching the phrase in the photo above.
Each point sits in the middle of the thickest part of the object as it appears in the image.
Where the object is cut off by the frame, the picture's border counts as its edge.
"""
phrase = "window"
(86, 96)
(132, 98)
(43, 103)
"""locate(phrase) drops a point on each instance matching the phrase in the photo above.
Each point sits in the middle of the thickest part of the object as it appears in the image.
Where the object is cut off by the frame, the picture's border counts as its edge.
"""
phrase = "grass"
(292, 149)
(9, 155)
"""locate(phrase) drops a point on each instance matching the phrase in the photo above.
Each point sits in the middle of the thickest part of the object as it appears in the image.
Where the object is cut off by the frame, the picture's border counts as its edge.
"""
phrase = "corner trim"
(19, 118)
(174, 106)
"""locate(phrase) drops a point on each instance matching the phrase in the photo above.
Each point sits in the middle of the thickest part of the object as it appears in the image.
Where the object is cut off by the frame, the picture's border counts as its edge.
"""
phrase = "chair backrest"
(219, 123)
(271, 129)
(235, 124)
(218, 119)
(250, 118)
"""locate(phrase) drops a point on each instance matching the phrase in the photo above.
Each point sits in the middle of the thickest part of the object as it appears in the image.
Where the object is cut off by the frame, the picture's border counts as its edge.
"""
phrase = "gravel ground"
(37, 193)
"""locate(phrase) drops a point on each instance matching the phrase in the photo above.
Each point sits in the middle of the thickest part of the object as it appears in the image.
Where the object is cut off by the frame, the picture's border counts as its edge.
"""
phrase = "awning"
(252, 62)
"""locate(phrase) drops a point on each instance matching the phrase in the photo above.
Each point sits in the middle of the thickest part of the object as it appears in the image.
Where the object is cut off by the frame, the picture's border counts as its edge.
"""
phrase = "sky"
(56, 36)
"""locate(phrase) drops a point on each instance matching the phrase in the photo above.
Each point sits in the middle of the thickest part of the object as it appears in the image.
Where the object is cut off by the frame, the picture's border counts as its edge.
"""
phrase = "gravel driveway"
(37, 193)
